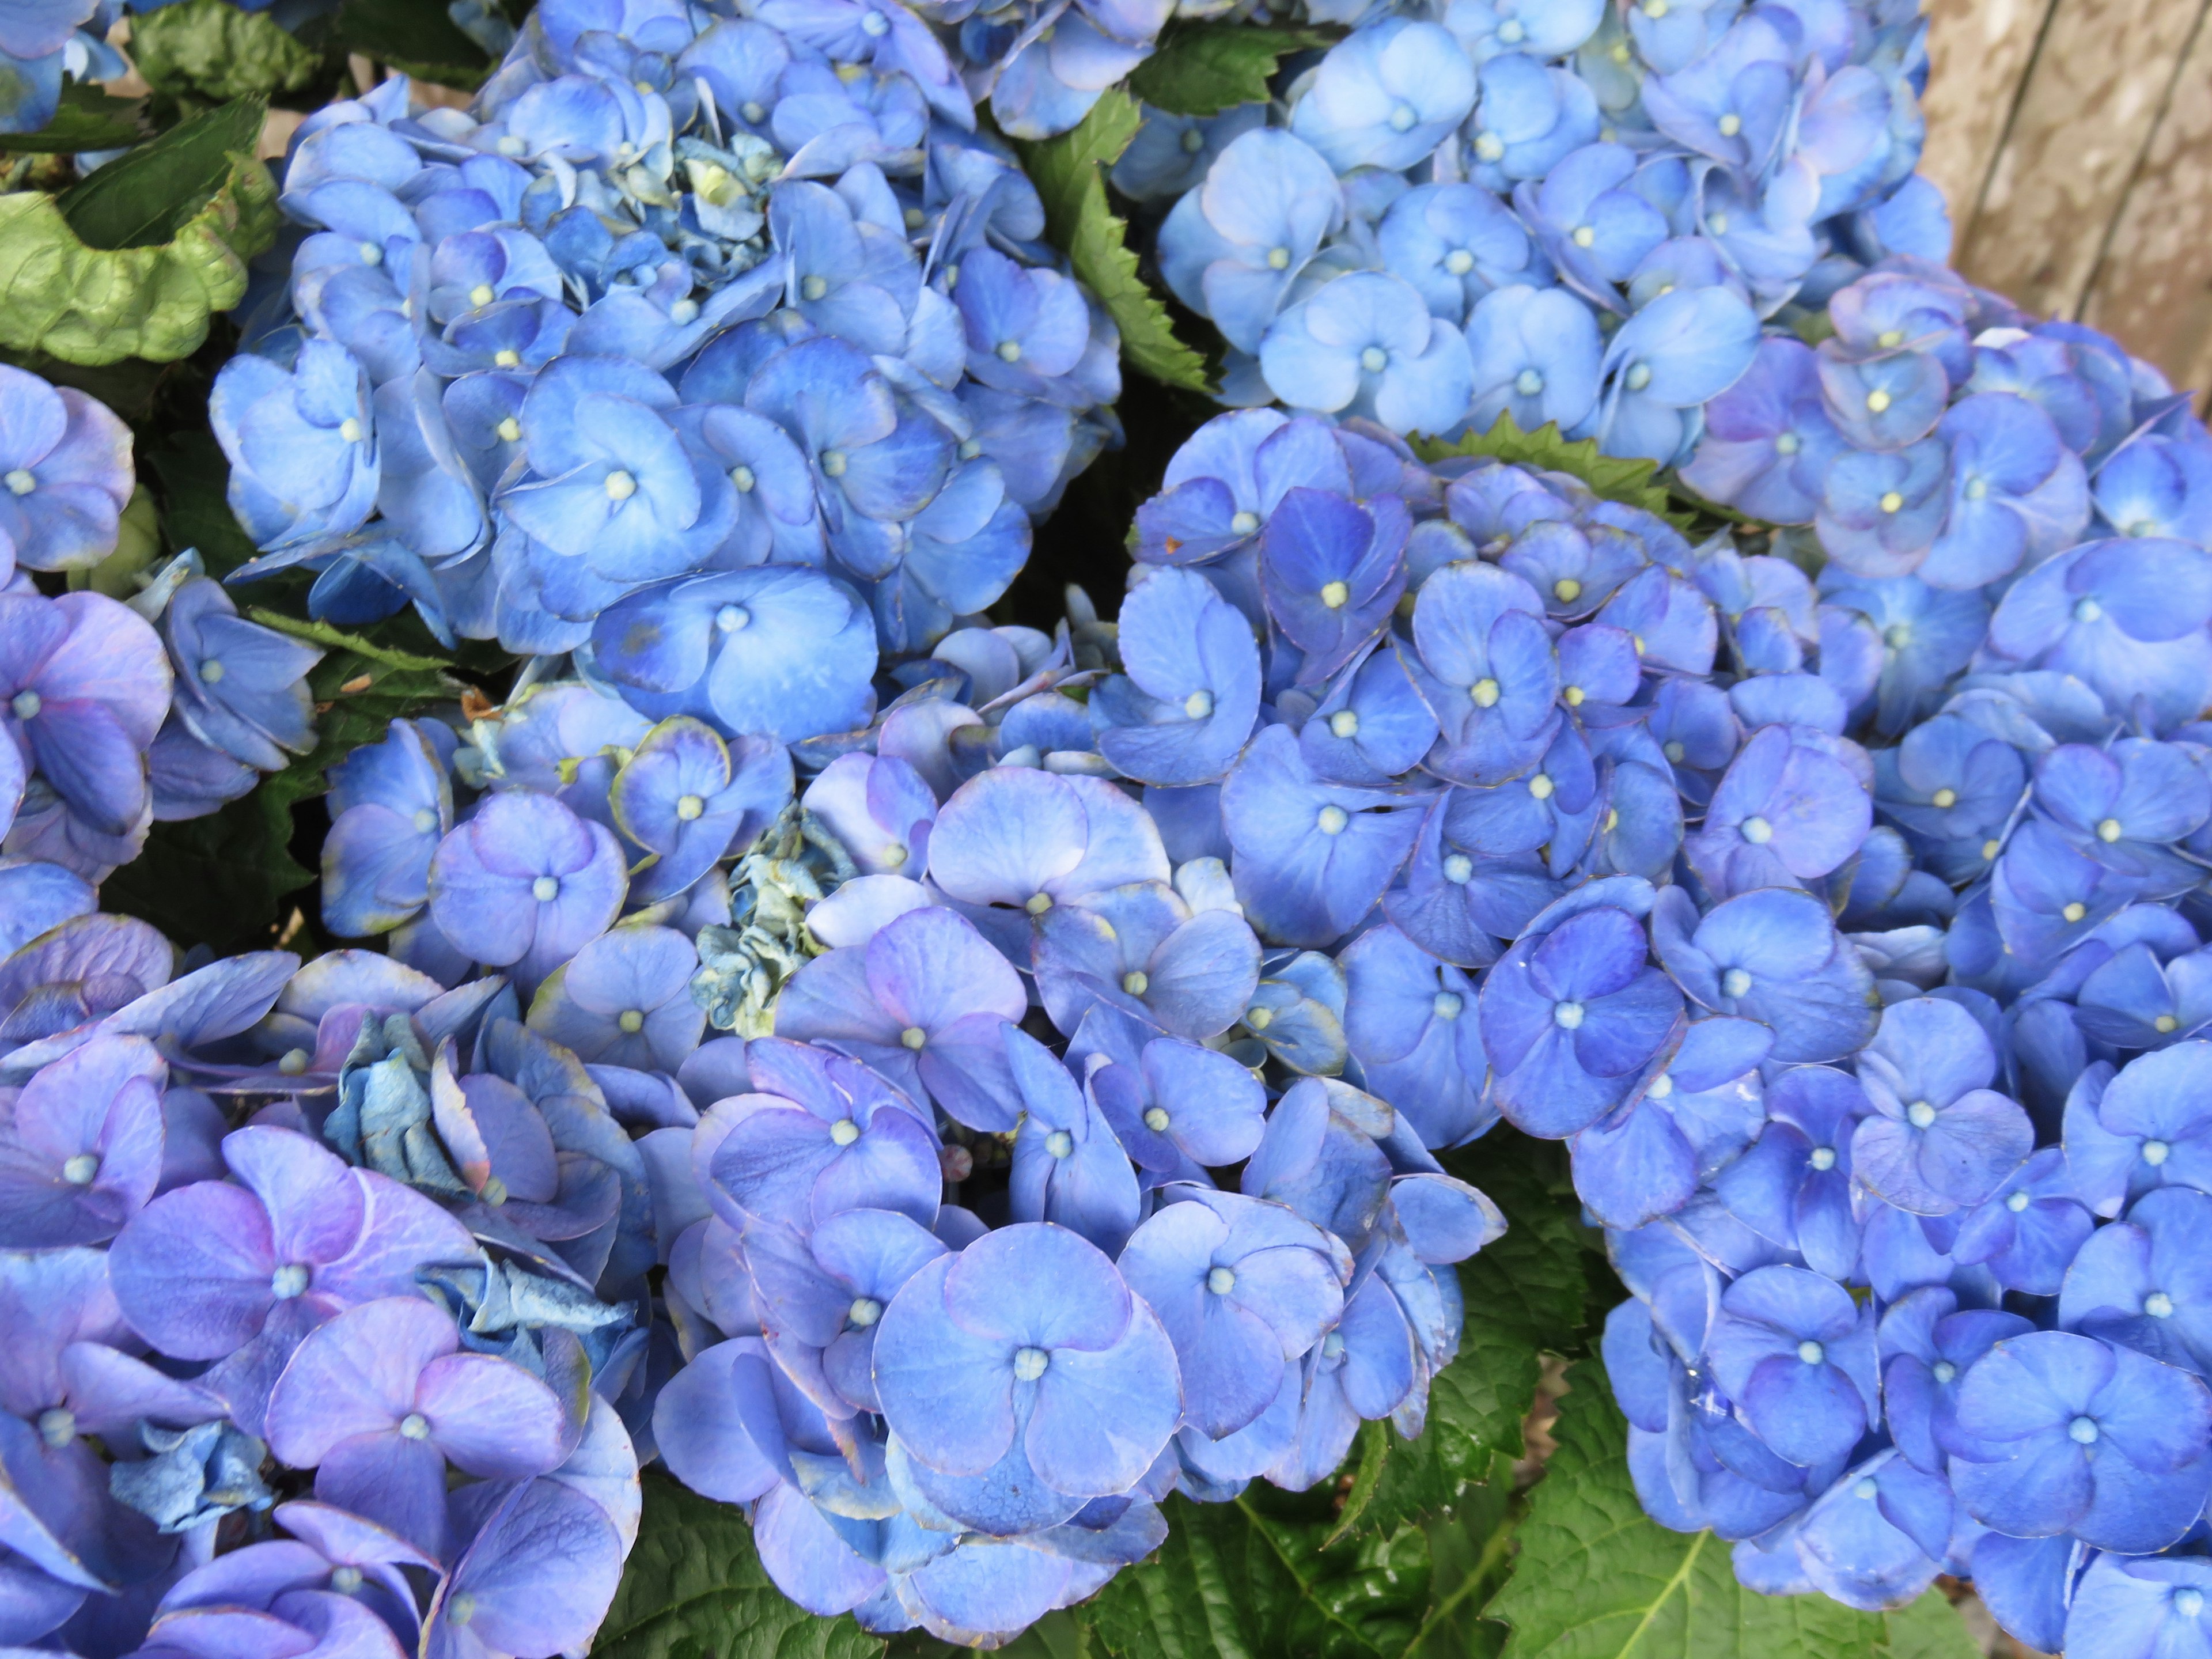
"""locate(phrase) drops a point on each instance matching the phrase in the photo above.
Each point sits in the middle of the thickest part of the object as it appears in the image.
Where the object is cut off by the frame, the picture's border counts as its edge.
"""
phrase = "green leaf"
(1374, 1453)
(211, 50)
(1629, 481)
(1929, 1628)
(1202, 69)
(88, 119)
(133, 261)
(137, 547)
(1526, 1295)
(219, 880)
(693, 1588)
(418, 36)
(1251, 1580)
(1069, 172)
(1596, 1578)
(145, 198)
(322, 634)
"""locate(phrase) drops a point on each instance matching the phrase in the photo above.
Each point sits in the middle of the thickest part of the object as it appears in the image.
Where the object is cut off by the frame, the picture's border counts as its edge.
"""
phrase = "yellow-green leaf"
(1627, 480)
(133, 261)
(210, 50)
(1069, 172)
(1597, 1578)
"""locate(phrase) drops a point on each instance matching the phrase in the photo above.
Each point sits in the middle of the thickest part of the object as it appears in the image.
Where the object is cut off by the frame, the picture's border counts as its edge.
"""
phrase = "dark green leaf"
(210, 50)
(1202, 69)
(694, 1589)
(88, 119)
(1598, 1579)
(1250, 1580)
(221, 880)
(145, 198)
(1629, 481)
(1470, 1553)
(1069, 172)
(1526, 1295)
(193, 476)
(418, 36)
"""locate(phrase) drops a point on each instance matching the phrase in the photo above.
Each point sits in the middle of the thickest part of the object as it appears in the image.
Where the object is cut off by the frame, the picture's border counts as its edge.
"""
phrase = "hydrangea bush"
(1645, 801)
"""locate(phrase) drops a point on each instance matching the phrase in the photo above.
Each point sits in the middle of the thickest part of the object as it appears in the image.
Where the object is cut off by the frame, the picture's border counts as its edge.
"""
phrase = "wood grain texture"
(2082, 124)
(1978, 54)
(2152, 290)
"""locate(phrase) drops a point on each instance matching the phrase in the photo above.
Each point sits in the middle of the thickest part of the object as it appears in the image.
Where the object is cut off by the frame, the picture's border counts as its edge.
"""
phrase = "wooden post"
(2152, 290)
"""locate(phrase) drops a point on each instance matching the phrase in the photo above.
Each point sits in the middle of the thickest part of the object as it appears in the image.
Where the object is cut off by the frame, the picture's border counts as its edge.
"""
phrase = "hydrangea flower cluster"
(268, 1385)
(1573, 213)
(962, 1274)
(693, 318)
(117, 713)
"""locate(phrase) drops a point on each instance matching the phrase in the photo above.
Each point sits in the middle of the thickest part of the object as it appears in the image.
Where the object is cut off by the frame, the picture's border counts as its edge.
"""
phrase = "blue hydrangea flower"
(301, 445)
(1570, 1015)
(2063, 1433)
(1028, 1347)
(1796, 1355)
(65, 461)
(1384, 96)
(1365, 345)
